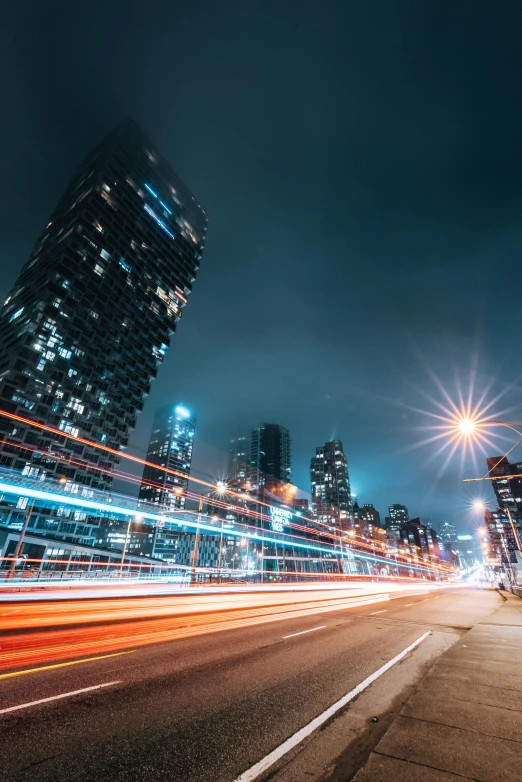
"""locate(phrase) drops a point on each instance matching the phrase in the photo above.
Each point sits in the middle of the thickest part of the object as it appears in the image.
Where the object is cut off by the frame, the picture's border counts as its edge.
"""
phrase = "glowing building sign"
(280, 518)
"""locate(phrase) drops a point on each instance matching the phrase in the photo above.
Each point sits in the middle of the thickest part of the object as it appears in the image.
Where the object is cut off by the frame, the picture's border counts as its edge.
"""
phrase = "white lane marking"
(255, 771)
(57, 697)
(378, 612)
(292, 635)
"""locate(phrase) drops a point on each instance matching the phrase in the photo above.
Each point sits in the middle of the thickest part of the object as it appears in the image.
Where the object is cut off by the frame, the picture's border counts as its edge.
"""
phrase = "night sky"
(361, 166)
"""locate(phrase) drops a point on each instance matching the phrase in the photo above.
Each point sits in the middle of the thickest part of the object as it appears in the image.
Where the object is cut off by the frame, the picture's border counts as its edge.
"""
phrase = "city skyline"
(352, 242)
(261, 484)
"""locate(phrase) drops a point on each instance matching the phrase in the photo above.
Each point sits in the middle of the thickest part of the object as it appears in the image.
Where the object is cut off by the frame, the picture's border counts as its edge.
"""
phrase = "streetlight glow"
(467, 426)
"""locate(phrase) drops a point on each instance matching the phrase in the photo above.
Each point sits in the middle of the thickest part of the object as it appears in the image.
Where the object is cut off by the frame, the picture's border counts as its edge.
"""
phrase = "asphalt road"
(210, 706)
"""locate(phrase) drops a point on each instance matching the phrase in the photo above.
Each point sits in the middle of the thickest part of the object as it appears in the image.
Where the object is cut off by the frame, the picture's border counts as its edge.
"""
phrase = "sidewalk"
(465, 719)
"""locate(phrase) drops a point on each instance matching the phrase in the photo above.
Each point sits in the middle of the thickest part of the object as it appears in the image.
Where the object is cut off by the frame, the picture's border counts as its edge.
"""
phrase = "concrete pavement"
(465, 719)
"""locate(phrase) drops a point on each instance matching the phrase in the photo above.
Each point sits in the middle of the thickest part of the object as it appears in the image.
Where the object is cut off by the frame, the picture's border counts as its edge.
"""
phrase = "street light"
(467, 425)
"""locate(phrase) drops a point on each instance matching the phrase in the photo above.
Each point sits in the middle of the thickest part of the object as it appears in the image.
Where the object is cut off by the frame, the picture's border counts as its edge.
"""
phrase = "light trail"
(188, 494)
(286, 540)
(100, 447)
(144, 462)
(54, 632)
(339, 539)
(67, 612)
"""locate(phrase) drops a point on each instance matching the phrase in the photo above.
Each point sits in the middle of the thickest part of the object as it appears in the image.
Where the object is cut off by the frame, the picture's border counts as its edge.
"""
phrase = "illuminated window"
(16, 314)
(65, 426)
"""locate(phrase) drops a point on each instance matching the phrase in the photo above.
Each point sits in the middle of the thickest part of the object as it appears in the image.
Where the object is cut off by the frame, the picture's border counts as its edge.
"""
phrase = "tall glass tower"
(270, 457)
(331, 496)
(238, 458)
(170, 446)
(91, 315)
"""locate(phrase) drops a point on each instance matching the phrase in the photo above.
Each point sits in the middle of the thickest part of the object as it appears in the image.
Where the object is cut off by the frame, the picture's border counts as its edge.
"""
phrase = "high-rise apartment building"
(238, 460)
(91, 315)
(270, 464)
(508, 490)
(398, 515)
(369, 515)
(422, 538)
(170, 446)
(331, 497)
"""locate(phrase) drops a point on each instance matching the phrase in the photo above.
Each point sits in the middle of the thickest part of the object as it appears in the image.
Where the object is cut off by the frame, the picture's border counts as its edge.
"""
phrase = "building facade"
(369, 517)
(398, 515)
(238, 461)
(90, 318)
(170, 447)
(508, 490)
(448, 534)
(421, 538)
(330, 484)
(501, 546)
(270, 465)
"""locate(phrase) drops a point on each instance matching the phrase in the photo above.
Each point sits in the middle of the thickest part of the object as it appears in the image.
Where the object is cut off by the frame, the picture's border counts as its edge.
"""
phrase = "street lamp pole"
(196, 543)
(20, 543)
(220, 560)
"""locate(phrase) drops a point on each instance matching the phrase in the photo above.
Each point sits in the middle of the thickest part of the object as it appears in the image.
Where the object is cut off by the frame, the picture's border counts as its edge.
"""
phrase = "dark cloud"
(361, 167)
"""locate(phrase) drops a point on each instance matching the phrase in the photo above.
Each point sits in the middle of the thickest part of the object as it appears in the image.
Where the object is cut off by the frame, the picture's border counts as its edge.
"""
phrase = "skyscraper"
(238, 459)
(91, 315)
(448, 535)
(331, 497)
(270, 457)
(170, 446)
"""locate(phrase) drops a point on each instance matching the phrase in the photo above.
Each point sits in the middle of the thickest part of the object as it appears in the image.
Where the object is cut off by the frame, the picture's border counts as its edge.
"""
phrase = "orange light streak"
(150, 620)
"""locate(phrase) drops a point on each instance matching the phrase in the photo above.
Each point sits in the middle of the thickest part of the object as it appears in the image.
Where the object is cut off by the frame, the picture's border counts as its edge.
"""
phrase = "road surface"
(213, 705)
